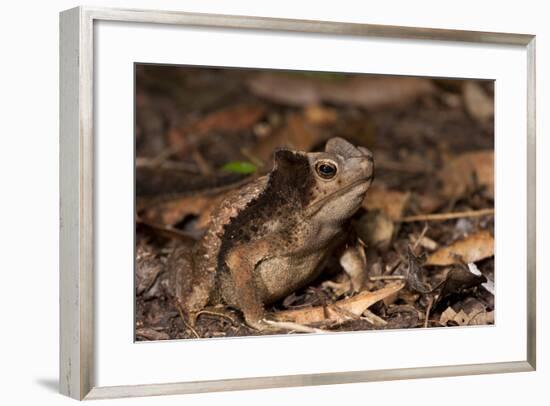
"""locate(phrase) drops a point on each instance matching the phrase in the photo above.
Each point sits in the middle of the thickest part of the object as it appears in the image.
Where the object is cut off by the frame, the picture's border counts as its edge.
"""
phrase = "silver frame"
(77, 190)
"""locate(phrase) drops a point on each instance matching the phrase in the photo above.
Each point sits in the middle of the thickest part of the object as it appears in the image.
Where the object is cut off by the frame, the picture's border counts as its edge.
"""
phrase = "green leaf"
(244, 168)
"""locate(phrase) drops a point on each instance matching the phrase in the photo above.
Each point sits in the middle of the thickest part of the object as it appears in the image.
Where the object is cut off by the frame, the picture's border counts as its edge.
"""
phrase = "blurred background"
(205, 118)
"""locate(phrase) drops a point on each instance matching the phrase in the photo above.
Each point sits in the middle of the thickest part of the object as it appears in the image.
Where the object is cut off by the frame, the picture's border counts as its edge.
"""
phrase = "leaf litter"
(433, 147)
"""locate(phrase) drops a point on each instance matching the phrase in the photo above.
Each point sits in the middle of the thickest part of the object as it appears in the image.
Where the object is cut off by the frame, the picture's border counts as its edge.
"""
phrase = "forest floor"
(427, 221)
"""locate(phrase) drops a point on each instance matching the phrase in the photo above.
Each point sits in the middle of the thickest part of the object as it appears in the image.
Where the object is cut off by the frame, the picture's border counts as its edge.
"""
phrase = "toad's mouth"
(318, 205)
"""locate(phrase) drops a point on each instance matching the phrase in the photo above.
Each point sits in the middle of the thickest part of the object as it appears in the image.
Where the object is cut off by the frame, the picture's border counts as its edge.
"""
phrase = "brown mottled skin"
(271, 237)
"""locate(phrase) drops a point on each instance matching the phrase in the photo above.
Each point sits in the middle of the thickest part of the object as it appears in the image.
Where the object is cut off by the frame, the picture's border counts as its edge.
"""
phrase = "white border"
(121, 362)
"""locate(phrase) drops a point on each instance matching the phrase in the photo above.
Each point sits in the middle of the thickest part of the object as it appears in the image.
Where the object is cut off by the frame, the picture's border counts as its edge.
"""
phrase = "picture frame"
(78, 184)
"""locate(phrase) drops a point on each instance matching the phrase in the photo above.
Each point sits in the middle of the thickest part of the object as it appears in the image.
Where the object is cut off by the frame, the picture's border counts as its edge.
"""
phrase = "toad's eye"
(326, 169)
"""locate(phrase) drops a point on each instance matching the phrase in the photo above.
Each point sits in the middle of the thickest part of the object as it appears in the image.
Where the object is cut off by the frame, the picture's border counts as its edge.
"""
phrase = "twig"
(185, 323)
(428, 310)
(347, 314)
(447, 216)
(374, 319)
(400, 261)
(300, 328)
(422, 234)
(216, 314)
(387, 277)
(252, 158)
(201, 162)
(163, 155)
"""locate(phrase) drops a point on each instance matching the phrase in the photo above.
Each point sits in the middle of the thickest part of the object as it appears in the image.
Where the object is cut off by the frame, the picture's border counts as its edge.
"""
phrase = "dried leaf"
(182, 140)
(482, 318)
(463, 173)
(413, 275)
(391, 202)
(478, 103)
(148, 267)
(376, 92)
(376, 229)
(424, 242)
(297, 133)
(152, 335)
(355, 305)
(489, 285)
(354, 262)
(470, 313)
(448, 314)
(473, 248)
(231, 119)
(338, 288)
(457, 280)
(428, 203)
(285, 89)
(362, 91)
(172, 212)
(374, 319)
(319, 115)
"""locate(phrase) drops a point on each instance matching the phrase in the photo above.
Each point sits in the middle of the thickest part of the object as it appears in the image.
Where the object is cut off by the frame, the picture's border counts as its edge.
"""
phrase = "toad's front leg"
(242, 261)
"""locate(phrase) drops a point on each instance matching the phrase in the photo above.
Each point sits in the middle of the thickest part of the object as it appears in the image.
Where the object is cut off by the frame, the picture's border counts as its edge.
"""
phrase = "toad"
(272, 236)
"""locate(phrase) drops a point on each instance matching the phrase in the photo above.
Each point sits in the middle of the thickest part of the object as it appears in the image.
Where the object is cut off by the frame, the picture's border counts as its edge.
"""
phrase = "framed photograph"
(254, 203)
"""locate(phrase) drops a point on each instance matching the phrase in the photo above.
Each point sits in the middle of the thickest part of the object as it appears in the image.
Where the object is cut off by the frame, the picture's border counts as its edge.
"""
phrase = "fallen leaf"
(166, 182)
(489, 285)
(473, 248)
(285, 89)
(231, 119)
(461, 174)
(457, 280)
(374, 319)
(151, 335)
(448, 314)
(296, 133)
(414, 269)
(148, 267)
(363, 91)
(428, 203)
(375, 92)
(319, 115)
(424, 242)
(391, 202)
(172, 212)
(354, 262)
(338, 288)
(355, 305)
(452, 100)
(478, 103)
(403, 316)
(470, 313)
(461, 318)
(376, 229)
(482, 318)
